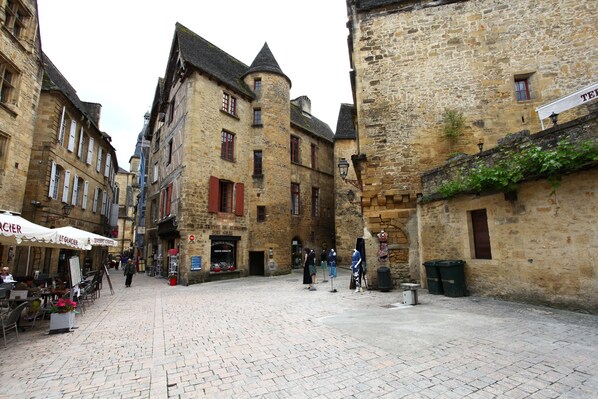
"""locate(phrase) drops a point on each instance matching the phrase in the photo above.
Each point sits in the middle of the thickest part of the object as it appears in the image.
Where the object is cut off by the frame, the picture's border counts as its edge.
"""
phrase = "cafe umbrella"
(86, 236)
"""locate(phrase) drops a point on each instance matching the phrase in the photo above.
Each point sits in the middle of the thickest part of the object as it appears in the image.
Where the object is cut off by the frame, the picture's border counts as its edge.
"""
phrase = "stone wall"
(413, 63)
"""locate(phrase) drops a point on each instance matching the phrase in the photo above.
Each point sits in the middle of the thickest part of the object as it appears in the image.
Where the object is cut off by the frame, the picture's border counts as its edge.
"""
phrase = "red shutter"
(239, 199)
(168, 199)
(213, 194)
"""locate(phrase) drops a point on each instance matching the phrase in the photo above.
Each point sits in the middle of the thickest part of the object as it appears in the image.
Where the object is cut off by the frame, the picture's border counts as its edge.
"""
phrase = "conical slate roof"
(265, 62)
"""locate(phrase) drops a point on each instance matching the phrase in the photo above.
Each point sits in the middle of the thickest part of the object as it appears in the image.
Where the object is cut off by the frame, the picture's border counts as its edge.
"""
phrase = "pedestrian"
(123, 260)
(332, 268)
(129, 272)
(313, 271)
(306, 275)
(356, 269)
(323, 264)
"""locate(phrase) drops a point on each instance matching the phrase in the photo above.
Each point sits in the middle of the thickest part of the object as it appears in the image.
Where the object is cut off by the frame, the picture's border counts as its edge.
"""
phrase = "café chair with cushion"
(11, 321)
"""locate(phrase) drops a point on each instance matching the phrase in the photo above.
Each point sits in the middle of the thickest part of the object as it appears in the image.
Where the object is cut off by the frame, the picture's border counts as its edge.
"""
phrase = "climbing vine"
(515, 166)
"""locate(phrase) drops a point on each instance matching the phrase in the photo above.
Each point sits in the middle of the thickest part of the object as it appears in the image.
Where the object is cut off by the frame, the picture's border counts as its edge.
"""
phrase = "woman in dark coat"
(306, 273)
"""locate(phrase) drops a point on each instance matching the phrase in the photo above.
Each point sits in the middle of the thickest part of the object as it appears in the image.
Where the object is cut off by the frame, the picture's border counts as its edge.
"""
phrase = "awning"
(569, 101)
(86, 236)
(15, 230)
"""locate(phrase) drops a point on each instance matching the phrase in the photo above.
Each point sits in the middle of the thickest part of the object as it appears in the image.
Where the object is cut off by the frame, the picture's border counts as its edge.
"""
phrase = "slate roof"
(54, 80)
(310, 123)
(265, 62)
(345, 128)
(211, 60)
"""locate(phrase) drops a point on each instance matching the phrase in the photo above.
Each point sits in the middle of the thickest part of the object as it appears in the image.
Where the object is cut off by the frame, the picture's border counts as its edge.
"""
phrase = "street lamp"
(554, 118)
(343, 170)
(481, 145)
(66, 209)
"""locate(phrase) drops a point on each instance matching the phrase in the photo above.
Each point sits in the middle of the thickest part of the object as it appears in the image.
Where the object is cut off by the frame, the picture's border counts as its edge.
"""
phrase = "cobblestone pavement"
(272, 338)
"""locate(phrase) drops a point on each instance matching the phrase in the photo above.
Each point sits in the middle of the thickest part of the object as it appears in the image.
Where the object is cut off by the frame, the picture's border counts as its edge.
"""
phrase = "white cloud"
(113, 52)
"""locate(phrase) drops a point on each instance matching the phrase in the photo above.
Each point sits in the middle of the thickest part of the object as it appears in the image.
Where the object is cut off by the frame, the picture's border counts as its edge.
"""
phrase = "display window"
(223, 256)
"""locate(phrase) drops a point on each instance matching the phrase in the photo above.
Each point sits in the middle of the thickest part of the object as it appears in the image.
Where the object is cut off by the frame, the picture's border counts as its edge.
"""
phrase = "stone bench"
(410, 293)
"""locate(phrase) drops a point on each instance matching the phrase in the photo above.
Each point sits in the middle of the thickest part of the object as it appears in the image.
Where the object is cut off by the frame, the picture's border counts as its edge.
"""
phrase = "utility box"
(410, 293)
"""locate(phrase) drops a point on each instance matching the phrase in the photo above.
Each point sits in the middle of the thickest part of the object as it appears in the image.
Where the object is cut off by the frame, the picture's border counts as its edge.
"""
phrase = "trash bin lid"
(450, 263)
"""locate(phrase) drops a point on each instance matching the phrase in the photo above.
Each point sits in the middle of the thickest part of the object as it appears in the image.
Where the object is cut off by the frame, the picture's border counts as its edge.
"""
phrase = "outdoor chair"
(11, 321)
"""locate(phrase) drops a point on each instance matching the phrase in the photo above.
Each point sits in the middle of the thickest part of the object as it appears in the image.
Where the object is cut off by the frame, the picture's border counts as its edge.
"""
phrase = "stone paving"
(272, 338)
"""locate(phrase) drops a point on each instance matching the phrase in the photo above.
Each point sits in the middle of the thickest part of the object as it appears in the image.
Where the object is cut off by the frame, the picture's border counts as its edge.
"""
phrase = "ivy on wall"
(512, 167)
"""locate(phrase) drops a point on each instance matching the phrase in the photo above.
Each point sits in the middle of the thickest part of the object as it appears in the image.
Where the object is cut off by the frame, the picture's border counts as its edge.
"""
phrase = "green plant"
(454, 121)
(515, 166)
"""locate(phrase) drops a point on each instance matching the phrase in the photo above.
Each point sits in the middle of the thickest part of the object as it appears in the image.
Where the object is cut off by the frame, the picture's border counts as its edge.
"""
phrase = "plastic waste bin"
(384, 283)
(452, 274)
(433, 277)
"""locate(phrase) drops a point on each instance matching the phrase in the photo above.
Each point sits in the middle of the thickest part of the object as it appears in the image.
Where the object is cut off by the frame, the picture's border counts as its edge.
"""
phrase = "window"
(522, 89)
(481, 235)
(99, 162)
(295, 149)
(8, 82)
(96, 196)
(261, 214)
(155, 173)
(85, 192)
(81, 144)
(222, 255)
(54, 181)
(157, 141)
(66, 186)
(257, 85)
(16, 18)
(169, 155)
(257, 163)
(171, 111)
(77, 183)
(257, 117)
(315, 201)
(314, 155)
(104, 209)
(229, 104)
(226, 196)
(3, 150)
(89, 151)
(72, 135)
(295, 199)
(227, 149)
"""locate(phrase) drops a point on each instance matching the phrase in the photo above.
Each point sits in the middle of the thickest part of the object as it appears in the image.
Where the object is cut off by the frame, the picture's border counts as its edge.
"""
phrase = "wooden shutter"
(72, 134)
(107, 167)
(239, 199)
(85, 192)
(99, 163)
(66, 186)
(81, 140)
(61, 127)
(168, 199)
(89, 151)
(481, 235)
(213, 194)
(52, 180)
(75, 191)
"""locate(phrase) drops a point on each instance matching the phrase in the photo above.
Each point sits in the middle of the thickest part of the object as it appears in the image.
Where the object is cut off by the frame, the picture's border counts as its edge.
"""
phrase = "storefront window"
(223, 256)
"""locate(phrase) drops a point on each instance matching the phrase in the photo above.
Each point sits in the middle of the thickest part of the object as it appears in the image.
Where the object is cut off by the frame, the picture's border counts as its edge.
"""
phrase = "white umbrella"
(86, 236)
(15, 230)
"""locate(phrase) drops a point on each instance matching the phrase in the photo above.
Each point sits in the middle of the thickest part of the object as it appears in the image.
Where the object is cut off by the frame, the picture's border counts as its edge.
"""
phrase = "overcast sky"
(113, 51)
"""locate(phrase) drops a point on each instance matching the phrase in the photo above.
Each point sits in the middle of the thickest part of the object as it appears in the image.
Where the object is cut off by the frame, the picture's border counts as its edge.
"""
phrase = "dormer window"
(229, 104)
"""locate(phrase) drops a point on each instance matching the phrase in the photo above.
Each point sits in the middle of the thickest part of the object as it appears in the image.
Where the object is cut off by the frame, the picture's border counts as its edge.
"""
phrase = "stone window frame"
(9, 88)
(523, 87)
(258, 164)
(229, 103)
(4, 140)
(295, 199)
(315, 202)
(295, 150)
(257, 85)
(257, 117)
(227, 145)
(261, 214)
(17, 19)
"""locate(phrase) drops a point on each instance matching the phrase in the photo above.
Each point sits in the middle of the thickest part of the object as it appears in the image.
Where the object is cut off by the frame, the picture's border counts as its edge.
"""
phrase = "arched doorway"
(296, 253)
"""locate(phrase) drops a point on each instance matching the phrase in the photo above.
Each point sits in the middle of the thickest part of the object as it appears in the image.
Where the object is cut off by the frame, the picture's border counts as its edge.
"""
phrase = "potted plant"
(62, 317)
(172, 279)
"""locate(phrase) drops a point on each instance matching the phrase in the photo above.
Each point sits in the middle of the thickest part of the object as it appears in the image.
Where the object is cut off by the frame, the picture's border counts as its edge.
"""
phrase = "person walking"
(306, 271)
(311, 264)
(129, 272)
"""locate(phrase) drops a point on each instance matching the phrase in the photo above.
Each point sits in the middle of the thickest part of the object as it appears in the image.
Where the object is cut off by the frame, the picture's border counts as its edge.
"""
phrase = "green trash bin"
(433, 277)
(452, 275)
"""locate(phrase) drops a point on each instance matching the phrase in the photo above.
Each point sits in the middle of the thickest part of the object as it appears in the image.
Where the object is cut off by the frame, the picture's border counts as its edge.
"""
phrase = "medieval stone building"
(432, 79)
(21, 70)
(71, 174)
(240, 177)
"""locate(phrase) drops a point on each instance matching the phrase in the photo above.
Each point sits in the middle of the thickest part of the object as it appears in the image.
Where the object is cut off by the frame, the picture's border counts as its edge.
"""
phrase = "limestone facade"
(221, 178)
(72, 164)
(412, 60)
(21, 71)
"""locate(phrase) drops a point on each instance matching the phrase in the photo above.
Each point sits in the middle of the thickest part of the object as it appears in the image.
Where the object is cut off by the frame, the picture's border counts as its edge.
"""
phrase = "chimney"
(304, 103)
(94, 110)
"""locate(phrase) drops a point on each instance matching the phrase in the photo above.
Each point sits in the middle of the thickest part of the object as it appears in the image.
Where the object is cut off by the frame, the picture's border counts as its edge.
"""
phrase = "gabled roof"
(345, 127)
(55, 81)
(265, 62)
(310, 123)
(211, 60)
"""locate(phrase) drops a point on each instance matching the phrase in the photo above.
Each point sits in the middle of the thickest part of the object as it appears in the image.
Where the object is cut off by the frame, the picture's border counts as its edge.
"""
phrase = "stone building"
(21, 70)
(435, 78)
(347, 201)
(71, 175)
(240, 176)
(125, 181)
